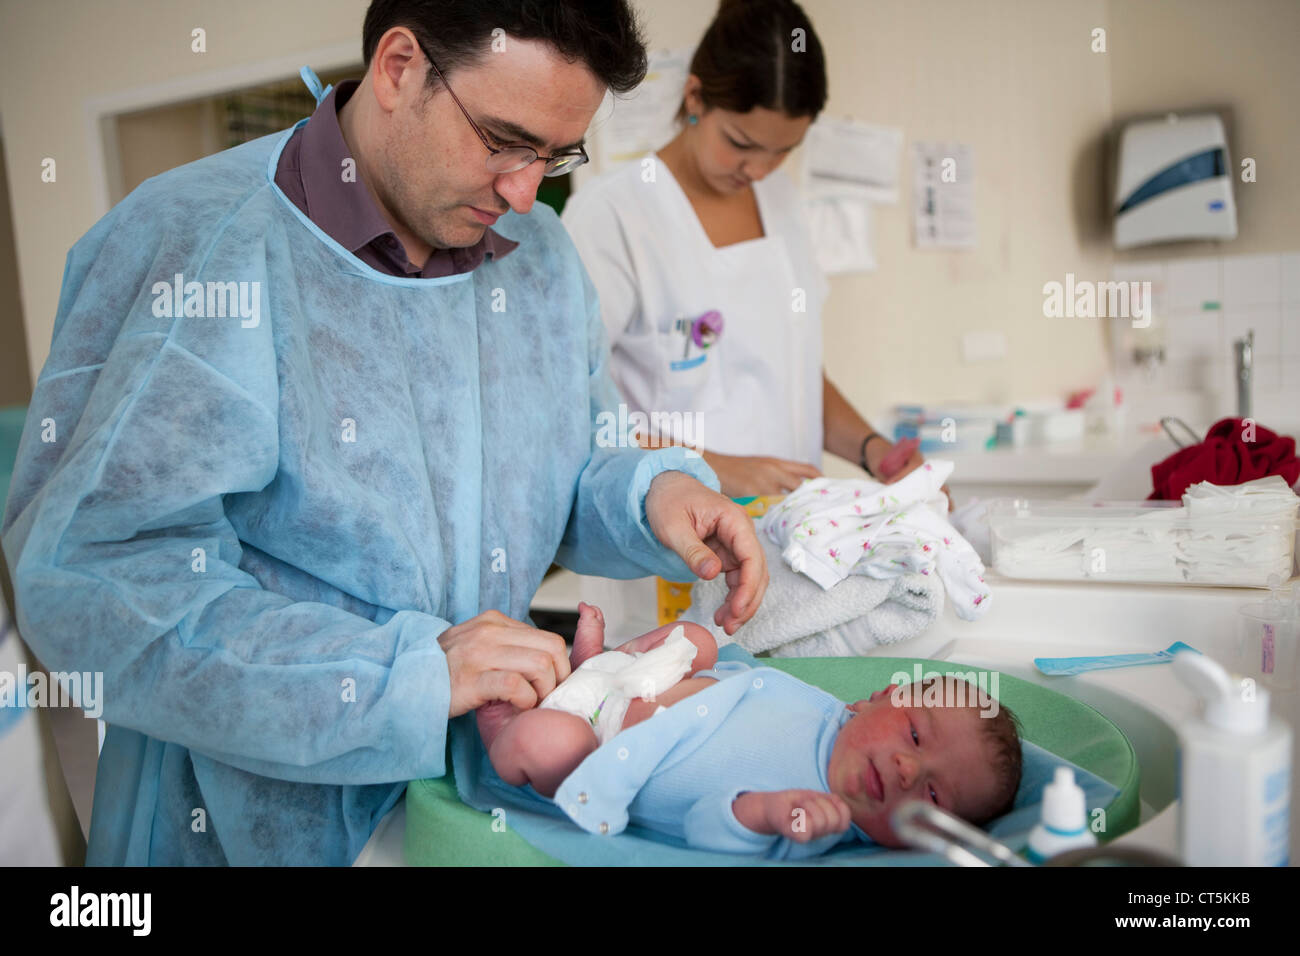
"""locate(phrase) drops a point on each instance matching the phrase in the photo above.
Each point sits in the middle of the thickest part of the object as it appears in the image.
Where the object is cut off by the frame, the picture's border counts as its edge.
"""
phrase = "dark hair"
(1002, 732)
(751, 56)
(603, 34)
(1002, 739)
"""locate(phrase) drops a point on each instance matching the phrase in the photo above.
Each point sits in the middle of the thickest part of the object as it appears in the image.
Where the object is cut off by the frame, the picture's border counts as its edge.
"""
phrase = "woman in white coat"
(709, 227)
(709, 224)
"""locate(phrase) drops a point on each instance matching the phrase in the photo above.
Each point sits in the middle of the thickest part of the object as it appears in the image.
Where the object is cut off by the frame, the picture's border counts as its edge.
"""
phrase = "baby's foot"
(492, 719)
(589, 638)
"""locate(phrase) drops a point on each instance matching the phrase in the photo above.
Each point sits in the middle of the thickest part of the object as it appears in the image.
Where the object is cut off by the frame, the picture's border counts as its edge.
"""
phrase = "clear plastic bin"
(1266, 644)
(1141, 542)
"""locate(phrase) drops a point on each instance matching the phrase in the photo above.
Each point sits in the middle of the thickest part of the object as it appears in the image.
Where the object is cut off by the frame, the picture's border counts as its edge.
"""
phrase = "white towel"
(831, 529)
(859, 613)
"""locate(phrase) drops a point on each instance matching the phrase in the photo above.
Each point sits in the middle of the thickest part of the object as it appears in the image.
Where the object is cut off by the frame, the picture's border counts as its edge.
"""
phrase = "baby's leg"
(589, 637)
(706, 648)
(641, 709)
(541, 747)
(492, 718)
(588, 641)
(706, 655)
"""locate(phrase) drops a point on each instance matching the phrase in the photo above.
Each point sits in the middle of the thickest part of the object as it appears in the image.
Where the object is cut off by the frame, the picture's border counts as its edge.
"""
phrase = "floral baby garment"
(831, 528)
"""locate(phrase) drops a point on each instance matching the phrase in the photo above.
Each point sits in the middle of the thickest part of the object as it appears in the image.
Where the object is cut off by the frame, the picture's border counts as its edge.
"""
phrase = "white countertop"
(1102, 618)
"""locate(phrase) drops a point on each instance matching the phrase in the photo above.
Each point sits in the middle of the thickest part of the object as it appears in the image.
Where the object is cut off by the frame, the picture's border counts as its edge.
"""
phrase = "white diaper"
(602, 689)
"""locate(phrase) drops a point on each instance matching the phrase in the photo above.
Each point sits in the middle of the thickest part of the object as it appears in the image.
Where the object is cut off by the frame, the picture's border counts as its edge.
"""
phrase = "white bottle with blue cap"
(1065, 819)
(1235, 772)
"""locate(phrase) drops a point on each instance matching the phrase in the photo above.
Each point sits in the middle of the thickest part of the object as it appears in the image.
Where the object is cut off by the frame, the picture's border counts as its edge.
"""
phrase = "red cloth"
(1225, 458)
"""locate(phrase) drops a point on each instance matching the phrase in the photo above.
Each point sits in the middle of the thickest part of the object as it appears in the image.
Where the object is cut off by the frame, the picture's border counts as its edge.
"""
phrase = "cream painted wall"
(1017, 81)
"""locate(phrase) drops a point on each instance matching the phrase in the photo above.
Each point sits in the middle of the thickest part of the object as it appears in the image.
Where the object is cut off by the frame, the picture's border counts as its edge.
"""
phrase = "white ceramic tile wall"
(1290, 330)
(1264, 320)
(1252, 280)
(1194, 333)
(1193, 284)
(1289, 266)
(1201, 306)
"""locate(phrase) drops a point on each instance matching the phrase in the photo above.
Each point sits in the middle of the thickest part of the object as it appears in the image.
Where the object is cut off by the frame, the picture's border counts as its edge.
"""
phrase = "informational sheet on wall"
(943, 195)
(848, 166)
(843, 157)
(841, 234)
(628, 127)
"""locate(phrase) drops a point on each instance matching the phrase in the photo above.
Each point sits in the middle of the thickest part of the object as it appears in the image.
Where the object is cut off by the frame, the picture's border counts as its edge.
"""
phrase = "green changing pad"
(441, 830)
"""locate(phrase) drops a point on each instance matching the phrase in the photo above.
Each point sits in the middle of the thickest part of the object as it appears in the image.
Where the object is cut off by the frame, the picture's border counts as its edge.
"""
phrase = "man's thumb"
(679, 535)
(700, 559)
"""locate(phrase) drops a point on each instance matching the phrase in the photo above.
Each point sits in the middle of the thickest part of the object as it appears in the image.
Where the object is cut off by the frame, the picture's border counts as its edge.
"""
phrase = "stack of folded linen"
(1224, 535)
(829, 529)
(1226, 550)
(800, 619)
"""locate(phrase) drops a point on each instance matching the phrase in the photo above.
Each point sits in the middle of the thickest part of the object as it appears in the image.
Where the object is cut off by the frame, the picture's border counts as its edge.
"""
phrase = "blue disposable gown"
(257, 527)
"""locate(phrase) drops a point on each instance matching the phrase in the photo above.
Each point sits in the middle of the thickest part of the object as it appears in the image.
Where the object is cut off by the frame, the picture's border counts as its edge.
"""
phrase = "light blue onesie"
(677, 773)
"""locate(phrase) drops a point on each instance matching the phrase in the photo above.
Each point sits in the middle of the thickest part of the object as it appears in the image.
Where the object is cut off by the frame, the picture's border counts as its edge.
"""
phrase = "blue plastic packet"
(1065, 666)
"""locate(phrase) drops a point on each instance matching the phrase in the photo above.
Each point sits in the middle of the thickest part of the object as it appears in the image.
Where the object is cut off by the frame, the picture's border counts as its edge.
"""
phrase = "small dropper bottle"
(1065, 819)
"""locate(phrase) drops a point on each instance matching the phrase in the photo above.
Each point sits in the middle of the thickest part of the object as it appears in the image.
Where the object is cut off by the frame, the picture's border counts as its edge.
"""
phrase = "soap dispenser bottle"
(1065, 819)
(1235, 772)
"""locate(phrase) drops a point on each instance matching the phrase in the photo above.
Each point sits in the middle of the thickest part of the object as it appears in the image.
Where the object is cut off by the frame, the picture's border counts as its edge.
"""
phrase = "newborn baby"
(789, 762)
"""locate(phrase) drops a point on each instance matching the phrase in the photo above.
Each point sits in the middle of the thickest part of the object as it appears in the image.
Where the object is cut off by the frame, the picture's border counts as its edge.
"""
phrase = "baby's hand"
(800, 815)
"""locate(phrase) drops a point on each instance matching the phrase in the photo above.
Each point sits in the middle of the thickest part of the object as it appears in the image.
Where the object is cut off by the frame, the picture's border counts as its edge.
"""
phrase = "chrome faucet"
(923, 826)
(1245, 349)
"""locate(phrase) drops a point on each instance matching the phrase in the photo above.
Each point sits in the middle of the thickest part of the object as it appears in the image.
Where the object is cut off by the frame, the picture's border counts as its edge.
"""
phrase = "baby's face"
(888, 754)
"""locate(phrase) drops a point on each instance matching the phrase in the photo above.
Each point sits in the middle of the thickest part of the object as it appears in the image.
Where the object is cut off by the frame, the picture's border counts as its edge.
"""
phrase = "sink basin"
(1130, 478)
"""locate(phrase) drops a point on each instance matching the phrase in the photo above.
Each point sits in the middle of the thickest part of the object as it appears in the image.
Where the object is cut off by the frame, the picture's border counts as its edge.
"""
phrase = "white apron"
(758, 389)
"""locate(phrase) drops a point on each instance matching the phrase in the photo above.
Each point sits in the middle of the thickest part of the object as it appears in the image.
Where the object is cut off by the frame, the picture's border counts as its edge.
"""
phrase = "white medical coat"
(758, 389)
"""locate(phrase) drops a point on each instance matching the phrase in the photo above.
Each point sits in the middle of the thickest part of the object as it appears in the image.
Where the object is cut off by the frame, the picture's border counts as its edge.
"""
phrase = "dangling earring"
(692, 119)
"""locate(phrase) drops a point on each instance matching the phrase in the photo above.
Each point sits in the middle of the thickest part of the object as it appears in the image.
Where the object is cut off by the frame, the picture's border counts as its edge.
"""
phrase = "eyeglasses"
(511, 159)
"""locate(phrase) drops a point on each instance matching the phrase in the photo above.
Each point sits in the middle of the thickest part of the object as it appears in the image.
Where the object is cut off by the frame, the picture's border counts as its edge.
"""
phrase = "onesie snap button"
(622, 753)
(604, 828)
(702, 710)
(582, 798)
(758, 682)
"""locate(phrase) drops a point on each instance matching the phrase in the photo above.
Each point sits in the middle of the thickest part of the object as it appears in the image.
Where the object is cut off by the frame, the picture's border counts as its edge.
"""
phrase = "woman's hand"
(888, 463)
(742, 476)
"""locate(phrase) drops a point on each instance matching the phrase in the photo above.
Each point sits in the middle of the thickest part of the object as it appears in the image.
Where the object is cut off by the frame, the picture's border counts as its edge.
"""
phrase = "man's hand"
(799, 815)
(494, 657)
(711, 534)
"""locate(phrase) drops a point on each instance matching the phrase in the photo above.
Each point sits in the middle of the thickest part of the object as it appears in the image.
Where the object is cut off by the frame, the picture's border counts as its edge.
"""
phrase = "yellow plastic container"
(673, 597)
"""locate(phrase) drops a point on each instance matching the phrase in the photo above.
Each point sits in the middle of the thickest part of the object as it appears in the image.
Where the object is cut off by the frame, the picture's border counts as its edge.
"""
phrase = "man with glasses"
(319, 413)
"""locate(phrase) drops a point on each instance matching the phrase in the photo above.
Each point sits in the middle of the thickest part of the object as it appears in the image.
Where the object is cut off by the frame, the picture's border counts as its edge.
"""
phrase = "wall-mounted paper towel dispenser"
(1173, 181)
